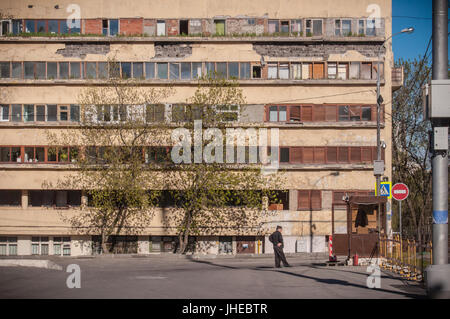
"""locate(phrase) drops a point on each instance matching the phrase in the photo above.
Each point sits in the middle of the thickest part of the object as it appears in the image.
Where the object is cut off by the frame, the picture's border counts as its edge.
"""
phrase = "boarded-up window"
(355, 154)
(294, 111)
(308, 155)
(343, 154)
(354, 71)
(319, 155)
(306, 71)
(296, 155)
(366, 154)
(330, 113)
(284, 155)
(366, 73)
(306, 113)
(309, 200)
(319, 113)
(331, 154)
(318, 71)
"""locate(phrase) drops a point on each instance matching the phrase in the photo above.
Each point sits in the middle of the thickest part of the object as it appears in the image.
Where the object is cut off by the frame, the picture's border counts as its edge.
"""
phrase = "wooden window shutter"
(343, 155)
(331, 154)
(374, 113)
(296, 154)
(374, 153)
(294, 113)
(303, 200)
(355, 154)
(366, 154)
(330, 113)
(316, 201)
(319, 113)
(319, 155)
(337, 197)
(306, 113)
(308, 155)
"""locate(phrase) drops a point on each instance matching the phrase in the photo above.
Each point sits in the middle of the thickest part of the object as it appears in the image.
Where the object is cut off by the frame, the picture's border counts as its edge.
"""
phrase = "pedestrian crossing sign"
(385, 189)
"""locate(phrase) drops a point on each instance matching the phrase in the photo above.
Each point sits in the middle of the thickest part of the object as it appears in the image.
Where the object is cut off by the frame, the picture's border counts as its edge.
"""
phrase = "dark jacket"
(276, 238)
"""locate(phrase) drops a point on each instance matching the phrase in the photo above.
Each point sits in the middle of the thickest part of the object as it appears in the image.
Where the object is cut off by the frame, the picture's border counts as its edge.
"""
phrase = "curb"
(47, 264)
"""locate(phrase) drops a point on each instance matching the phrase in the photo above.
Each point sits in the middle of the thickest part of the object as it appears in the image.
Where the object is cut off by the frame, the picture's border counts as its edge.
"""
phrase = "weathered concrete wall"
(81, 50)
(172, 50)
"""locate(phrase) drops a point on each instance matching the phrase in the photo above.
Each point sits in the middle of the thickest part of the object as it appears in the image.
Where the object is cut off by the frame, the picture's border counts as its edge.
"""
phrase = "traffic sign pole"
(400, 216)
(400, 192)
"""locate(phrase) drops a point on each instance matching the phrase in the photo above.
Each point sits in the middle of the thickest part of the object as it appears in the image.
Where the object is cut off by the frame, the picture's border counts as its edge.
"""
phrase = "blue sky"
(417, 14)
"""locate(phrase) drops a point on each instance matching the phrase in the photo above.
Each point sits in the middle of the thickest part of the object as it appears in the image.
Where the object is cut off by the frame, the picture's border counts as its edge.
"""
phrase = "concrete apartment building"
(308, 68)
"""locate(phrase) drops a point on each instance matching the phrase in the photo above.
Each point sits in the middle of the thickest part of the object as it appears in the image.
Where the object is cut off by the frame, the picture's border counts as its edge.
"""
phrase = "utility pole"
(438, 275)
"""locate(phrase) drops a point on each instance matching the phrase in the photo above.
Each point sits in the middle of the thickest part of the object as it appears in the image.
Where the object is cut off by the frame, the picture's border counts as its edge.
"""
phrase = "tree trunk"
(104, 244)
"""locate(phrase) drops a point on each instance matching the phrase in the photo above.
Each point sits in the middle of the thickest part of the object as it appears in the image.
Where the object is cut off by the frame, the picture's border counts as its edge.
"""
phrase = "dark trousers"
(279, 256)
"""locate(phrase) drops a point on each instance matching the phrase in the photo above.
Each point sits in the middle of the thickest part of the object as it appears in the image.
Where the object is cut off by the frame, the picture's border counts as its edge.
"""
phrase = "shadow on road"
(329, 281)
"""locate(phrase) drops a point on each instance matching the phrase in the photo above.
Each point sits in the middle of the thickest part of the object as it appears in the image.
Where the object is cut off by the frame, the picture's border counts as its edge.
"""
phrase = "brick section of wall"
(150, 27)
(93, 26)
(172, 27)
(195, 26)
(314, 50)
(133, 26)
(172, 50)
(241, 26)
(79, 50)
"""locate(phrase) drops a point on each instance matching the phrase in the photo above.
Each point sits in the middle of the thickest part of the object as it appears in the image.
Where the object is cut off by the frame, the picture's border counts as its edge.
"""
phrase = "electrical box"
(440, 138)
(378, 167)
(436, 99)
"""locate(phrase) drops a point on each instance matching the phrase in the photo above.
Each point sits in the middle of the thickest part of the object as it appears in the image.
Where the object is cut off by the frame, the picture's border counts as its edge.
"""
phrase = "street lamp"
(379, 102)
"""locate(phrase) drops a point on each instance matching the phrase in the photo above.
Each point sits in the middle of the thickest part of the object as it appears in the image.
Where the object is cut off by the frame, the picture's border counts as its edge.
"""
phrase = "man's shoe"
(287, 266)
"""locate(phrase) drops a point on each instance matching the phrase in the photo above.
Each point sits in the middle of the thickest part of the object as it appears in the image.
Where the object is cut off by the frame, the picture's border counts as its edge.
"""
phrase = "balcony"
(397, 78)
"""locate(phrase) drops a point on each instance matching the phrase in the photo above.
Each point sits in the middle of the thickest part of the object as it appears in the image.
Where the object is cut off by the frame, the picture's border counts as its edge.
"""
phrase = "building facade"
(308, 68)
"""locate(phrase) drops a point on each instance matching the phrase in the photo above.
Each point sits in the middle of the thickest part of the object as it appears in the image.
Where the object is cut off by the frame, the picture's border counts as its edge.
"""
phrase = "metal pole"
(440, 158)
(400, 216)
(378, 177)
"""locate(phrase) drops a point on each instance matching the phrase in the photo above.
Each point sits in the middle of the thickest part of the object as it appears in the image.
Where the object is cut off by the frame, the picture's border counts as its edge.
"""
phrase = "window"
(10, 197)
(63, 113)
(155, 113)
(284, 25)
(16, 115)
(343, 27)
(63, 70)
(91, 70)
(8, 246)
(197, 70)
(361, 27)
(342, 71)
(309, 200)
(296, 27)
(306, 71)
(313, 28)
(233, 70)
(30, 26)
(17, 27)
(174, 71)
(61, 246)
(149, 70)
(75, 70)
(125, 68)
(228, 113)
(370, 27)
(221, 69)
(210, 68)
(5, 70)
(110, 27)
(39, 245)
(296, 71)
(251, 21)
(274, 26)
(318, 71)
(17, 70)
(366, 113)
(283, 71)
(244, 70)
(284, 154)
(282, 113)
(332, 70)
(40, 113)
(256, 71)
(102, 70)
(28, 113)
(272, 71)
(5, 27)
(29, 70)
(162, 70)
(52, 70)
(185, 71)
(184, 27)
(138, 70)
(53, 26)
(156, 154)
(160, 28)
(220, 27)
(74, 113)
(52, 113)
(4, 113)
(366, 71)
(279, 200)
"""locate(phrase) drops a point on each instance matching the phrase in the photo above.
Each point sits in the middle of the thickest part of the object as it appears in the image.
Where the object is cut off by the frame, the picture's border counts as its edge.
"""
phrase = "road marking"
(150, 277)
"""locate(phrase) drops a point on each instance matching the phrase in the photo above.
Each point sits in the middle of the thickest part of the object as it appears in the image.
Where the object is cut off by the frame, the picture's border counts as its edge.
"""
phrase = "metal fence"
(406, 257)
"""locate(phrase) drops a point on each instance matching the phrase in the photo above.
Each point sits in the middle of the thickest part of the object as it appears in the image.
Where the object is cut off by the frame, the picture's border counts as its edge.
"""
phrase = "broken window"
(162, 70)
(274, 26)
(342, 71)
(256, 71)
(354, 71)
(245, 70)
(105, 27)
(30, 26)
(4, 27)
(16, 27)
(63, 70)
(138, 70)
(17, 70)
(366, 69)
(186, 71)
(370, 27)
(52, 70)
(184, 27)
(16, 114)
(220, 27)
(4, 112)
(113, 27)
(161, 28)
(149, 70)
(174, 71)
(5, 70)
(296, 71)
(366, 113)
(28, 113)
(296, 27)
(344, 113)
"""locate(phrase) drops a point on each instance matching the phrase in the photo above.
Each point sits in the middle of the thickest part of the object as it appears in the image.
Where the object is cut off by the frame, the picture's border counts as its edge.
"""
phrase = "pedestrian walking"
(277, 240)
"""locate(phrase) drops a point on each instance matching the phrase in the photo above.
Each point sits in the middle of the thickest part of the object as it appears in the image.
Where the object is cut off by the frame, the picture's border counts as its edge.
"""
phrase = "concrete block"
(306, 244)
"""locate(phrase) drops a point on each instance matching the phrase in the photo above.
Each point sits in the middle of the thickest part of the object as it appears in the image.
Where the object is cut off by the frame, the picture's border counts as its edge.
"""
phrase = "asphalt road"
(172, 277)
